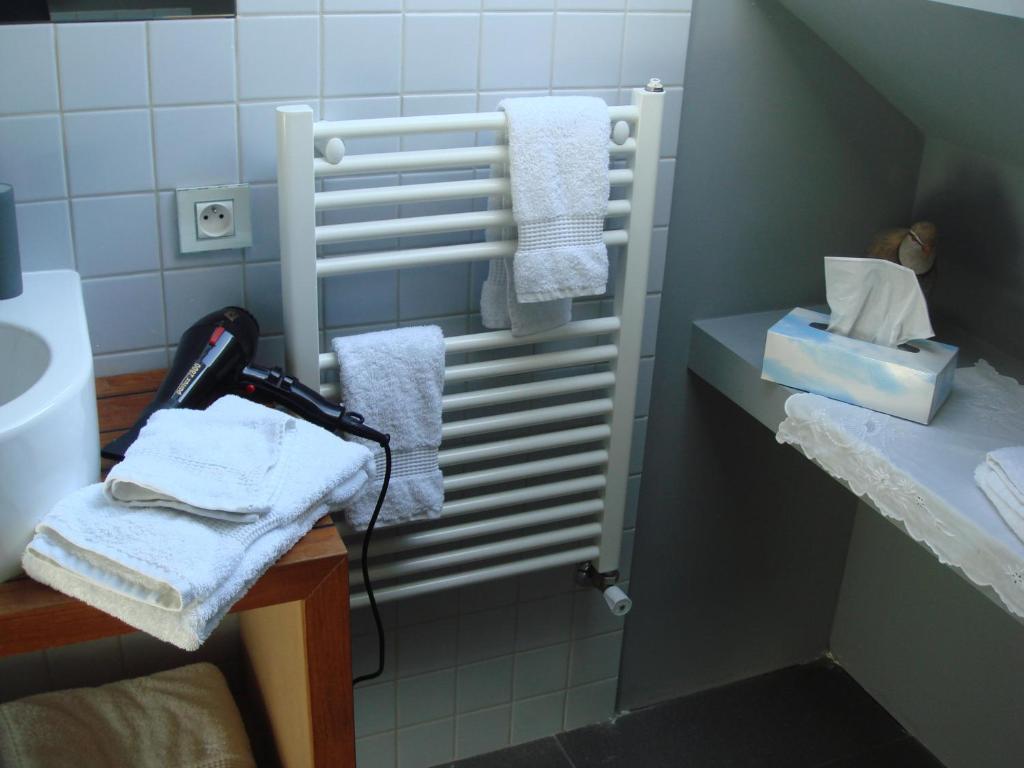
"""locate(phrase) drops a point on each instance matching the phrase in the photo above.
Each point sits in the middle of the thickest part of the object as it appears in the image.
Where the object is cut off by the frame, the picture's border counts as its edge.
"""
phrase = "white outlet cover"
(189, 240)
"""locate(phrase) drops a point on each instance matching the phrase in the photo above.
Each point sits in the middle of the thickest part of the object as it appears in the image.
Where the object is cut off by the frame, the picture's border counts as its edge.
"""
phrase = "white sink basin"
(48, 429)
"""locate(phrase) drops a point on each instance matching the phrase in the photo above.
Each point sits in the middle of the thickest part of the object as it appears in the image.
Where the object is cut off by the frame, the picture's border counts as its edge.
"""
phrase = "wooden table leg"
(299, 655)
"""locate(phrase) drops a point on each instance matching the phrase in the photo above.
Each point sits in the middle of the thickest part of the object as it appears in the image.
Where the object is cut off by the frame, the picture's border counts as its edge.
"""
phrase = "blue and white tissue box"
(799, 352)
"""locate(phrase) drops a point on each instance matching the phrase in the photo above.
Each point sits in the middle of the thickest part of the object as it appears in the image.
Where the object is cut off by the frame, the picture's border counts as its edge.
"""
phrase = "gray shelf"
(727, 353)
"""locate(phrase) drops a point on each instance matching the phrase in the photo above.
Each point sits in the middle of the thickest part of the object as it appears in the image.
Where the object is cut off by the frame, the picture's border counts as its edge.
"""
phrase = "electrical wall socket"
(214, 218)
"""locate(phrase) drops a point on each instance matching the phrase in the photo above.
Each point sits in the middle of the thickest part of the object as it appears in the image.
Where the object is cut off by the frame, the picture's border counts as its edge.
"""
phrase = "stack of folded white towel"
(203, 503)
(1001, 477)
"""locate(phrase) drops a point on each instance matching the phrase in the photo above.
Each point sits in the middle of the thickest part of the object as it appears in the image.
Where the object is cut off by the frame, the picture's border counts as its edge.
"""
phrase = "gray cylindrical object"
(10, 257)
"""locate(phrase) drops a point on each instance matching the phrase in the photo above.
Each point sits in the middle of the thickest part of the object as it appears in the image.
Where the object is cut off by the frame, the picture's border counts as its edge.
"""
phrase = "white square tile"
(440, 52)
(422, 746)
(266, 243)
(659, 254)
(485, 684)
(595, 658)
(655, 46)
(636, 459)
(516, 50)
(350, 6)
(361, 299)
(114, 235)
(171, 257)
(376, 751)
(374, 709)
(536, 718)
(32, 157)
(541, 671)
(632, 512)
(587, 49)
(592, 5)
(519, 5)
(278, 57)
(44, 236)
(125, 312)
(28, 70)
(192, 62)
(645, 375)
(590, 614)
(131, 362)
(103, 65)
(441, 5)
(109, 152)
(650, 337)
(195, 146)
(263, 295)
(423, 698)
(544, 622)
(440, 104)
(590, 703)
(660, 5)
(361, 109)
(277, 6)
(663, 195)
(487, 635)
(480, 732)
(362, 54)
(192, 293)
(258, 134)
(433, 291)
(427, 647)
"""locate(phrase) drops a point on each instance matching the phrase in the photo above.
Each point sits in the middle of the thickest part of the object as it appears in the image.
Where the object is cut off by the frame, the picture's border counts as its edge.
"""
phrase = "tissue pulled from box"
(875, 300)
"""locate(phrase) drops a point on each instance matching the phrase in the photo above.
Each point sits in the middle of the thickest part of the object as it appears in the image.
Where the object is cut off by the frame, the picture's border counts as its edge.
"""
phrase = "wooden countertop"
(33, 616)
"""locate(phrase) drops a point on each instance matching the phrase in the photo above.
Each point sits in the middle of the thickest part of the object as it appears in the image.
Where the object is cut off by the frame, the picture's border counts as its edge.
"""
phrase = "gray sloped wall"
(786, 154)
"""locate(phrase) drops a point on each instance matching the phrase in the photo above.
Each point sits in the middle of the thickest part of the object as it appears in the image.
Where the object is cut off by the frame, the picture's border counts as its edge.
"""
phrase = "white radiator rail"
(443, 254)
(535, 477)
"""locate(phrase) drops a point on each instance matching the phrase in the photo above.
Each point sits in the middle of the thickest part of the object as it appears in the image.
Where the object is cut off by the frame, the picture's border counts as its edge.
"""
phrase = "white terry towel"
(175, 575)
(1001, 477)
(224, 462)
(500, 308)
(558, 169)
(395, 379)
(180, 717)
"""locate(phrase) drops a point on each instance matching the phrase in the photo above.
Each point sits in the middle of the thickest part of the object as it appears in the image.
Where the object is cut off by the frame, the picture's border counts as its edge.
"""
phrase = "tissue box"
(899, 381)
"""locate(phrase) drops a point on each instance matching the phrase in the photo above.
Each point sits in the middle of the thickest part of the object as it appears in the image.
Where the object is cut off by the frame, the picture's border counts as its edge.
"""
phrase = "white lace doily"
(923, 476)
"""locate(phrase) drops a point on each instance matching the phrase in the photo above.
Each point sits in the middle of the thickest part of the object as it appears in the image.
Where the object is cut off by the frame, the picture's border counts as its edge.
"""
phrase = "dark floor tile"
(544, 753)
(905, 753)
(800, 717)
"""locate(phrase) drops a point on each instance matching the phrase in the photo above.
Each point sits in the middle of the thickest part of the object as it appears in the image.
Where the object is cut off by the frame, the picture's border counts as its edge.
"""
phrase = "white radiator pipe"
(476, 576)
(440, 190)
(480, 342)
(433, 159)
(531, 493)
(520, 445)
(471, 121)
(511, 472)
(426, 225)
(543, 361)
(552, 414)
(479, 552)
(403, 542)
(425, 257)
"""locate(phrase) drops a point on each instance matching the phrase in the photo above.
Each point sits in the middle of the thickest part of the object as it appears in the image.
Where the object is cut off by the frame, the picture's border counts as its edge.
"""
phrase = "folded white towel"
(499, 307)
(1001, 477)
(558, 170)
(175, 575)
(395, 379)
(181, 717)
(224, 462)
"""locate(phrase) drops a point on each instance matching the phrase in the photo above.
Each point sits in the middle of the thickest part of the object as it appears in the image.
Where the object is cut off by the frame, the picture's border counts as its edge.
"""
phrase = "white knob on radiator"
(620, 132)
(618, 601)
(334, 151)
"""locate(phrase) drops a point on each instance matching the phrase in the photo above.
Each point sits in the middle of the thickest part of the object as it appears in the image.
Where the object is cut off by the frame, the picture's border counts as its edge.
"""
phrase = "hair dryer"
(214, 358)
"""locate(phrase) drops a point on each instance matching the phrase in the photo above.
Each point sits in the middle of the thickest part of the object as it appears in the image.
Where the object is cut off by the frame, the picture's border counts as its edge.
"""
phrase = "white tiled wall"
(100, 122)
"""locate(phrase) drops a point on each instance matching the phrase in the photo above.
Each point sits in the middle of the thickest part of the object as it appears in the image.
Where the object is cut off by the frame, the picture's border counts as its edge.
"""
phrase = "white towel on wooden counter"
(174, 574)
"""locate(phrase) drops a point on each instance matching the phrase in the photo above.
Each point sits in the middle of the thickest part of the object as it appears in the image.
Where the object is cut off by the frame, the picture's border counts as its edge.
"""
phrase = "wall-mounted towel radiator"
(536, 455)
